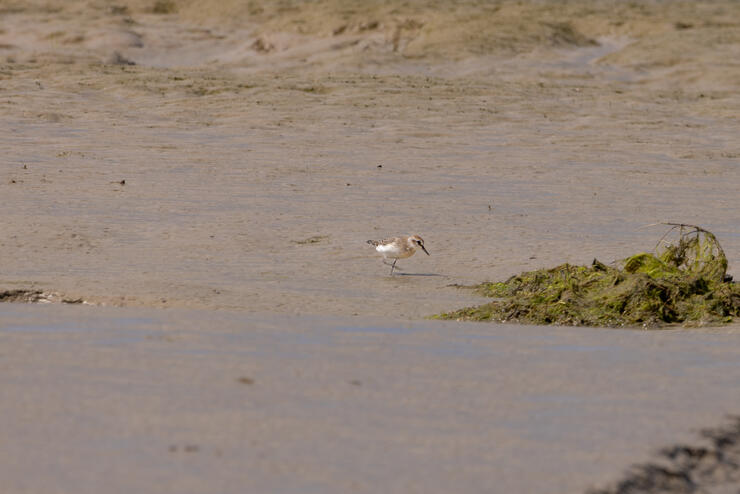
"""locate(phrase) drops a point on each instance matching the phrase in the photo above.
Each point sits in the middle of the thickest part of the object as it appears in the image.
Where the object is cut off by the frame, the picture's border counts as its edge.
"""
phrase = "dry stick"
(698, 229)
(665, 234)
(695, 230)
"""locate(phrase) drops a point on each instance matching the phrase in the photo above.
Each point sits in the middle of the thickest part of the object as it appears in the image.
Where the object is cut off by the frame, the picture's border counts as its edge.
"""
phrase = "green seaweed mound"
(684, 282)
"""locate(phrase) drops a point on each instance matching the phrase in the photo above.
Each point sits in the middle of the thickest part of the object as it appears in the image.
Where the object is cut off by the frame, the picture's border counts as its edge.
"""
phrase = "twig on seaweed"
(675, 225)
(684, 225)
(695, 230)
(648, 226)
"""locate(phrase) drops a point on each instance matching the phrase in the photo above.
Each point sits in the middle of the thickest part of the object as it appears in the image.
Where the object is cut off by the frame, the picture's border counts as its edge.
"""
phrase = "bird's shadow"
(417, 274)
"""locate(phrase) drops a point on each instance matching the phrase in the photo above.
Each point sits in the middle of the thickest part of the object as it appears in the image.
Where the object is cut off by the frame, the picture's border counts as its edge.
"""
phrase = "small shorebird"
(398, 248)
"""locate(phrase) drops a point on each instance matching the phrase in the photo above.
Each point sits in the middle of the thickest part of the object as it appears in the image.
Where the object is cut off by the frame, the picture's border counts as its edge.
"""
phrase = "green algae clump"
(683, 282)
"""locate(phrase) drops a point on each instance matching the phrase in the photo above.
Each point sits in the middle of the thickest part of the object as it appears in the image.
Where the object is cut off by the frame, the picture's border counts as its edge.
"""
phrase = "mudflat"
(227, 162)
(178, 401)
(212, 155)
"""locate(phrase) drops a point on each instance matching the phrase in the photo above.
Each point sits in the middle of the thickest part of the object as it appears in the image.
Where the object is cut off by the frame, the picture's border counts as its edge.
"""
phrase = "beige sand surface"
(511, 137)
(171, 401)
(228, 160)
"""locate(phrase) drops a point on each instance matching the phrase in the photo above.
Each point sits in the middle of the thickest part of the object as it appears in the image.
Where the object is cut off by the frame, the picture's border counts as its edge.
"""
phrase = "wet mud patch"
(33, 296)
(316, 239)
(683, 282)
(715, 464)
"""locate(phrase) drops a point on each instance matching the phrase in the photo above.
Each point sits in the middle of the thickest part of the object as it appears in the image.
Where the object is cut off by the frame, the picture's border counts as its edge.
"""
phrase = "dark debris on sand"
(683, 282)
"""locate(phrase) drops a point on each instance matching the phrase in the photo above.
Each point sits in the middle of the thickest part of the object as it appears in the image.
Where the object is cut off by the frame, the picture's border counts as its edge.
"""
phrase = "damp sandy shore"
(227, 162)
(173, 401)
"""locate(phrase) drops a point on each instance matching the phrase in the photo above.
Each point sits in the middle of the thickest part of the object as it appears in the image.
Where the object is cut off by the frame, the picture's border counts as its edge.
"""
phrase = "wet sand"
(195, 401)
(228, 163)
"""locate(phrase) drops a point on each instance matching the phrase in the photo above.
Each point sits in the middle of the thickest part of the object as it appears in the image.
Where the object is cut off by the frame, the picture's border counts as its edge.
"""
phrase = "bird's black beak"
(424, 249)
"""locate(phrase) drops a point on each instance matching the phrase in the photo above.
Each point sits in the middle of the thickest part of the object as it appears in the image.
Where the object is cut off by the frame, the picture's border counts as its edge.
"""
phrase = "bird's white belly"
(394, 252)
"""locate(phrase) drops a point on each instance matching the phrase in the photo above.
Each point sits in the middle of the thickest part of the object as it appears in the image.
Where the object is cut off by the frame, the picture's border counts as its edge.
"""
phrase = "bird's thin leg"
(393, 266)
(388, 263)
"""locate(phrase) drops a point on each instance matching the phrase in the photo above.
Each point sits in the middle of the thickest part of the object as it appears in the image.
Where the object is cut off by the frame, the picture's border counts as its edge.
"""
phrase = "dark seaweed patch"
(683, 282)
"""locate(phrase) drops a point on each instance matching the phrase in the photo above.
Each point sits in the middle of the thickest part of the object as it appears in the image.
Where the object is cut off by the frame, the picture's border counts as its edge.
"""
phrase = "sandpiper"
(398, 248)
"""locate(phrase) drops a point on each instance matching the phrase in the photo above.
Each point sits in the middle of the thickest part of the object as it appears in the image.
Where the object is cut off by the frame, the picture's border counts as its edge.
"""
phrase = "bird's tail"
(374, 243)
